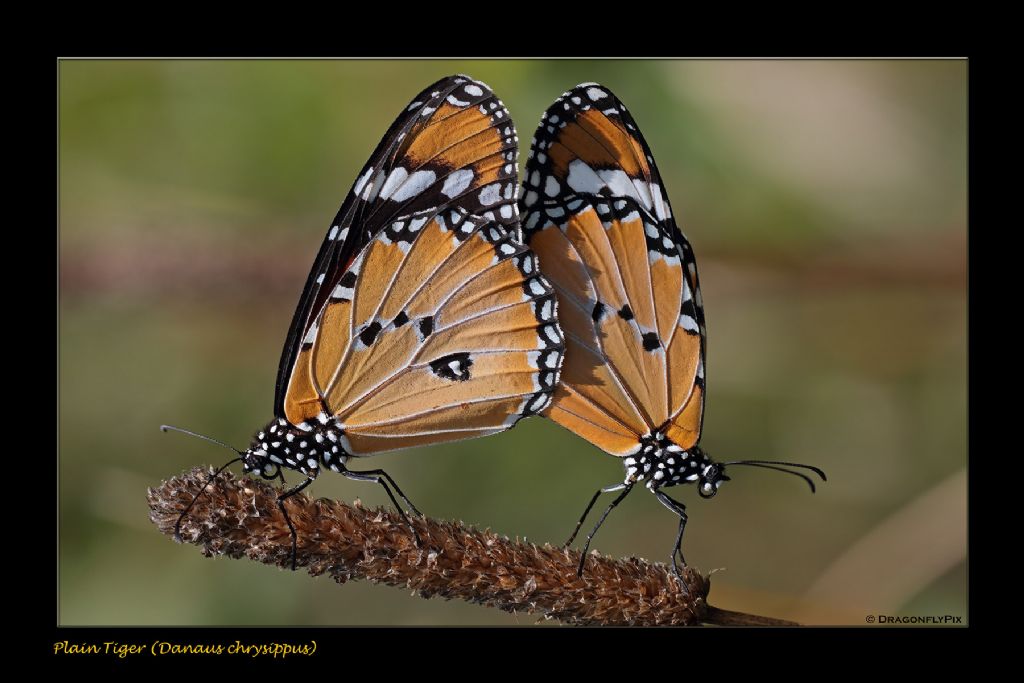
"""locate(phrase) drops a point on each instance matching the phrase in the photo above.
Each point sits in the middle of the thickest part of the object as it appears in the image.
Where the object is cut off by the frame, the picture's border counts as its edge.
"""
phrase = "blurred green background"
(826, 201)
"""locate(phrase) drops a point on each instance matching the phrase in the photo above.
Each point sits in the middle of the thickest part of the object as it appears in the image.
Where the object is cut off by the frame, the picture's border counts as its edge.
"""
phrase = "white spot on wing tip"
(361, 182)
(490, 194)
(551, 187)
(400, 186)
(457, 182)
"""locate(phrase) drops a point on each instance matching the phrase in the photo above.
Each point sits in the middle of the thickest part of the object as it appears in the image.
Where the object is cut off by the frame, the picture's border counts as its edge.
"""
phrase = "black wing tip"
(581, 92)
(590, 84)
(457, 79)
(445, 80)
(600, 93)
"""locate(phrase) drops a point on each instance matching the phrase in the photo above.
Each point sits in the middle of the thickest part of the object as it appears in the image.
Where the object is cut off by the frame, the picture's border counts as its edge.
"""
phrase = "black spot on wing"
(626, 313)
(453, 367)
(426, 326)
(369, 333)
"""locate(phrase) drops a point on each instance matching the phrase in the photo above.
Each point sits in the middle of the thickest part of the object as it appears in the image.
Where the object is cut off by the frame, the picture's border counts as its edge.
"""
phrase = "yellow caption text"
(162, 647)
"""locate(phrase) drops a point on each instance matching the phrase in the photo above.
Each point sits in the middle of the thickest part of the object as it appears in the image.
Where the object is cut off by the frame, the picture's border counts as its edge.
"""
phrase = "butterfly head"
(712, 474)
(256, 460)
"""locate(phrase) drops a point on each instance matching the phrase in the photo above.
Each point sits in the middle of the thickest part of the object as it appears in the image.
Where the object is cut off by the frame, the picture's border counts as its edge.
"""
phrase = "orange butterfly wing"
(461, 340)
(625, 277)
(428, 320)
(453, 146)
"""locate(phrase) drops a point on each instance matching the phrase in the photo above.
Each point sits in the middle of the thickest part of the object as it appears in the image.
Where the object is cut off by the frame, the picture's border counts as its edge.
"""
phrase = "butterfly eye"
(707, 489)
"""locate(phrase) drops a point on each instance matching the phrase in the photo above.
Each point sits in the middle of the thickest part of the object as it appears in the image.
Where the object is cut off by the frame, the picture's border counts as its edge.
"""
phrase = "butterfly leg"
(379, 476)
(626, 488)
(280, 503)
(597, 494)
(679, 509)
(391, 481)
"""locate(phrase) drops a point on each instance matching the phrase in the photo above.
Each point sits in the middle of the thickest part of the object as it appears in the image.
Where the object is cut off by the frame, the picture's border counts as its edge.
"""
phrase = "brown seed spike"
(240, 518)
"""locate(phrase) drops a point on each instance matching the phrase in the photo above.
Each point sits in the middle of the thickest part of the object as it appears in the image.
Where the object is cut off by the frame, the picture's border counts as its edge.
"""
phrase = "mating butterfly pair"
(426, 319)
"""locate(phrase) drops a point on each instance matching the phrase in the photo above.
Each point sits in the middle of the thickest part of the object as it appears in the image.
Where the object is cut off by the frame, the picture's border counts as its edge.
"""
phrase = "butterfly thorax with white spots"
(662, 463)
(305, 448)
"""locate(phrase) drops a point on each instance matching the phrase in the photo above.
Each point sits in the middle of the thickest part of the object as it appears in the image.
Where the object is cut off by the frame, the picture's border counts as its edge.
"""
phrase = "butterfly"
(424, 318)
(595, 211)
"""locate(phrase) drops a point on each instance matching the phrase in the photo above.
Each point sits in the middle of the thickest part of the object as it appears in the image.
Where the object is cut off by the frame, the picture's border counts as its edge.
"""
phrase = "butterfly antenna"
(195, 499)
(773, 465)
(171, 428)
